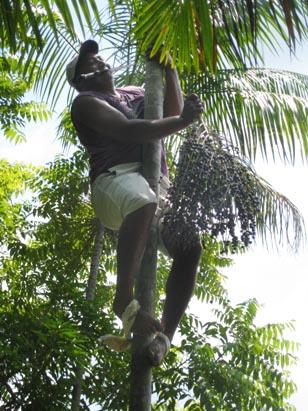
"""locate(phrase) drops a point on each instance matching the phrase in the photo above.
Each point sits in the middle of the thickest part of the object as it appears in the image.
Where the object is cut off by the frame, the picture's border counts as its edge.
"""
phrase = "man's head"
(88, 70)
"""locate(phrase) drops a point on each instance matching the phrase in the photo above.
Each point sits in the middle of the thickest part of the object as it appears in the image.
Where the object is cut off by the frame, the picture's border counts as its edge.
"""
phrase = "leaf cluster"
(48, 328)
(14, 110)
(44, 268)
(206, 35)
(22, 22)
(227, 363)
(262, 111)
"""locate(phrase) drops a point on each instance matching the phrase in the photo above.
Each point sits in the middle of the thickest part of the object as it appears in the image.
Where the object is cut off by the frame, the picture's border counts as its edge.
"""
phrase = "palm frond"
(14, 110)
(260, 110)
(21, 20)
(121, 50)
(47, 68)
(279, 220)
(205, 35)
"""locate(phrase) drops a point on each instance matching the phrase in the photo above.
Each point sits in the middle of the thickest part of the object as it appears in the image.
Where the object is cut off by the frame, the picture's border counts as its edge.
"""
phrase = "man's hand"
(193, 108)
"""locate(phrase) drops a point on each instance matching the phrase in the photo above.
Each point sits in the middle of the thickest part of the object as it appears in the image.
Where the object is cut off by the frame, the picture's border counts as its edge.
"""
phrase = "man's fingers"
(193, 99)
(196, 105)
(193, 96)
(193, 108)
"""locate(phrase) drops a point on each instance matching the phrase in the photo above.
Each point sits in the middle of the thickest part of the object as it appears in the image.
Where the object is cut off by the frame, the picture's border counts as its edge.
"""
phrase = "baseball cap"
(89, 46)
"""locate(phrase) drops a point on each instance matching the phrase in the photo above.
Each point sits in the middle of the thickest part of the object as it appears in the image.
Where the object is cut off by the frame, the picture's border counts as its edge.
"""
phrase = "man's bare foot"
(157, 350)
(145, 324)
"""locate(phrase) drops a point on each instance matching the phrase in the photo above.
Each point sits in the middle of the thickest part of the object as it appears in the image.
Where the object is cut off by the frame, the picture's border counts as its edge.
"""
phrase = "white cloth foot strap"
(118, 343)
(166, 340)
(129, 316)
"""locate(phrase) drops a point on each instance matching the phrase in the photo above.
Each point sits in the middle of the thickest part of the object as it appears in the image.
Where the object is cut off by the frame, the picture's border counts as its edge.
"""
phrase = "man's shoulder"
(87, 101)
(89, 94)
(96, 97)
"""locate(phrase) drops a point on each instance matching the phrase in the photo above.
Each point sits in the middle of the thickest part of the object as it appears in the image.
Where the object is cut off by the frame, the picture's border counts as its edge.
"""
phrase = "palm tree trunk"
(90, 294)
(141, 374)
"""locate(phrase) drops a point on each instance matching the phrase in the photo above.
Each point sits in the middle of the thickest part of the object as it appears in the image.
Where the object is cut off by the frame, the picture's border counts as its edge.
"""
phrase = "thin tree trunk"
(90, 294)
(141, 374)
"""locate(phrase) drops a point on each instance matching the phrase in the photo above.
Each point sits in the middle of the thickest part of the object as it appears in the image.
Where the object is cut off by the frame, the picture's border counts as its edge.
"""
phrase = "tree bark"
(90, 294)
(141, 374)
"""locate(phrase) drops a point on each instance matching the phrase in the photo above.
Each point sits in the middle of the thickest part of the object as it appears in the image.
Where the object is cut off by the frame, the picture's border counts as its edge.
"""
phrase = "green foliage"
(44, 268)
(259, 110)
(204, 35)
(14, 111)
(47, 229)
(47, 327)
(227, 363)
(23, 21)
(13, 183)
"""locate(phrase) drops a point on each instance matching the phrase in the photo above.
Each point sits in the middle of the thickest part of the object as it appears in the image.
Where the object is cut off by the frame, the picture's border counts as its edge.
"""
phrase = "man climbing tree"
(109, 122)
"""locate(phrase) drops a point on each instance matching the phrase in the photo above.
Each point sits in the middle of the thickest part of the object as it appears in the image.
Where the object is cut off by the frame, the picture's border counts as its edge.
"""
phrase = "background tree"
(44, 269)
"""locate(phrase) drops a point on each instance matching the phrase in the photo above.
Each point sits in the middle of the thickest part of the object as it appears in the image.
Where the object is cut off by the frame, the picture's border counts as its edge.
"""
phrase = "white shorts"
(121, 191)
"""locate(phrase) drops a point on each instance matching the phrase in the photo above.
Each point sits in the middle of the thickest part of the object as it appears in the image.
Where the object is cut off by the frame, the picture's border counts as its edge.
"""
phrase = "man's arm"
(173, 101)
(104, 119)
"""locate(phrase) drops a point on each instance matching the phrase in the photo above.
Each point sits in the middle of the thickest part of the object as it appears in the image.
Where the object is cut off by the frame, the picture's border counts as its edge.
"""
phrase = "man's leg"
(132, 240)
(179, 289)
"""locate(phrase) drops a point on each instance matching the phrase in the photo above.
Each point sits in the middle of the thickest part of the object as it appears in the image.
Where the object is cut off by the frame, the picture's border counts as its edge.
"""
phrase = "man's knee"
(180, 249)
(191, 251)
(144, 213)
(196, 248)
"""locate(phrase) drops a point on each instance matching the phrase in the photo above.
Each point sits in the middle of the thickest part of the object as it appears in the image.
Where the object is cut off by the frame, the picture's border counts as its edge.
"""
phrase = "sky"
(278, 280)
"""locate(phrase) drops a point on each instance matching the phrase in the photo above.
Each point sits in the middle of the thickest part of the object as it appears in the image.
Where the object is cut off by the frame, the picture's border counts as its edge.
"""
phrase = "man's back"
(104, 151)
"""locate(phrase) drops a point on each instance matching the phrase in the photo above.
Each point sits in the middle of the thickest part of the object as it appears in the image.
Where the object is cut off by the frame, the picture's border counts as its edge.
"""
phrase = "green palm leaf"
(279, 220)
(21, 20)
(204, 34)
(14, 110)
(260, 110)
(47, 68)
(115, 31)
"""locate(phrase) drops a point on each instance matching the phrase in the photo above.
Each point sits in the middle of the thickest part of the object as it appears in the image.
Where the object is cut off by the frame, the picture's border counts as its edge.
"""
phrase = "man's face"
(92, 63)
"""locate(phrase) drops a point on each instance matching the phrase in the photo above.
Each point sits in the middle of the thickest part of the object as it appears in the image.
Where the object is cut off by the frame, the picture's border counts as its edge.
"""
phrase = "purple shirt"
(104, 151)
